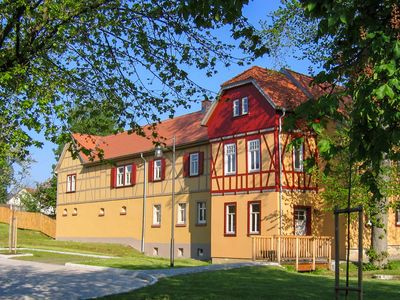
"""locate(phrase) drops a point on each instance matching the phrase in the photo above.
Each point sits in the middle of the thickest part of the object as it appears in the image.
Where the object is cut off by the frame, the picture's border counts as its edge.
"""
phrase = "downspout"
(142, 245)
(280, 170)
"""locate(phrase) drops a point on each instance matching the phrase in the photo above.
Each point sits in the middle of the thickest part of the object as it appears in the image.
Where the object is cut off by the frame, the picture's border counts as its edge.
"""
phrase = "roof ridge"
(100, 137)
(240, 74)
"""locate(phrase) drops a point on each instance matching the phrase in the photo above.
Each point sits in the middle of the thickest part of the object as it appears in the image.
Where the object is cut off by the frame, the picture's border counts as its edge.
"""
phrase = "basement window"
(101, 212)
(65, 212)
(123, 211)
(180, 252)
(75, 212)
(155, 251)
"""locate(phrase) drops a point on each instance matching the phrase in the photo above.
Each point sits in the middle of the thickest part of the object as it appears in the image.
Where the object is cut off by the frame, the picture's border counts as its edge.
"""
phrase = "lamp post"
(159, 153)
(144, 201)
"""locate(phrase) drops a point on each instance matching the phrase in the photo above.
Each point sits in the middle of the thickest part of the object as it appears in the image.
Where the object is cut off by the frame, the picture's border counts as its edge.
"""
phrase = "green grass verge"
(256, 283)
(126, 257)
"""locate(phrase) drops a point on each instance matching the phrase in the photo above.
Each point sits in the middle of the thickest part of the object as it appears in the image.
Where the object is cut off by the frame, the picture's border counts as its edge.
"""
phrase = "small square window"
(75, 211)
(180, 252)
(155, 251)
(101, 212)
(122, 212)
(65, 212)
(200, 252)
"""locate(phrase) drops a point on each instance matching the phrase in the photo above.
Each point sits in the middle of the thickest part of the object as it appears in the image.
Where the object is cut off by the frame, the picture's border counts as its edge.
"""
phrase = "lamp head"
(158, 152)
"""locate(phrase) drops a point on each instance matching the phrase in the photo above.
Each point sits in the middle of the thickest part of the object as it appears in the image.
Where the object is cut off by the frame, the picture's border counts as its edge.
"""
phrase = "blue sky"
(256, 11)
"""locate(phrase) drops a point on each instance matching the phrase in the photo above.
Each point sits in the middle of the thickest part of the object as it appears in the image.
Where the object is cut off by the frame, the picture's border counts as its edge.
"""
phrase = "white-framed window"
(245, 106)
(194, 164)
(157, 169)
(181, 213)
(120, 176)
(298, 158)
(254, 217)
(230, 218)
(230, 159)
(236, 107)
(71, 183)
(157, 214)
(124, 175)
(201, 213)
(253, 154)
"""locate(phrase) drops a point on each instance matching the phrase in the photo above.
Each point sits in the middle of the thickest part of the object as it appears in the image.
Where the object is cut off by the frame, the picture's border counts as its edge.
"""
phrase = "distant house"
(15, 200)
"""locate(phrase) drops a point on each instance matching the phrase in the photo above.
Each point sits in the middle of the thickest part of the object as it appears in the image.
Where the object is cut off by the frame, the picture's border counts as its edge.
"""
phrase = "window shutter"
(151, 170)
(133, 174)
(113, 177)
(201, 163)
(186, 165)
(162, 168)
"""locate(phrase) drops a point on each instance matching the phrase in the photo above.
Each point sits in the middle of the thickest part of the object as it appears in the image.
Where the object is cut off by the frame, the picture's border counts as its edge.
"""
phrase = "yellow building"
(240, 191)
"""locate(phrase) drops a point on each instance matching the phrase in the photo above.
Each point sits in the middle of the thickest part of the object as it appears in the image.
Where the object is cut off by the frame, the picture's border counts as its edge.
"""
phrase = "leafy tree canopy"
(358, 45)
(128, 56)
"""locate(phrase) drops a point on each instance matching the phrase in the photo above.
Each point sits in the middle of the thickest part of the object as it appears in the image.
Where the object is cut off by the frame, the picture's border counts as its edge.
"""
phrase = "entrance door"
(302, 221)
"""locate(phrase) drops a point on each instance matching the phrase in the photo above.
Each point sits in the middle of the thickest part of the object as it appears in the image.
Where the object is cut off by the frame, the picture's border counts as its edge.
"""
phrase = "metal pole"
(360, 252)
(336, 253)
(173, 204)
(144, 202)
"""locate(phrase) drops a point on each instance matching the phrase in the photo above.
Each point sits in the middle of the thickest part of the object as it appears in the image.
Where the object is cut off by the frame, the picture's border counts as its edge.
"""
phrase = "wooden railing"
(311, 249)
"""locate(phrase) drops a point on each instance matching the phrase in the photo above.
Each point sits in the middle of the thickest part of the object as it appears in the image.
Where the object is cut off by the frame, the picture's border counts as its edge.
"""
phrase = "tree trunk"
(379, 241)
(379, 235)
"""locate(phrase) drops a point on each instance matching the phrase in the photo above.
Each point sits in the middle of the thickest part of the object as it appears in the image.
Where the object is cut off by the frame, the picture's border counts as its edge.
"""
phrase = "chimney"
(205, 105)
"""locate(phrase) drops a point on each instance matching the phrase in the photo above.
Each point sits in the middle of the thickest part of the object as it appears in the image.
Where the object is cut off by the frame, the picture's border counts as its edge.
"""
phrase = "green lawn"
(126, 257)
(256, 283)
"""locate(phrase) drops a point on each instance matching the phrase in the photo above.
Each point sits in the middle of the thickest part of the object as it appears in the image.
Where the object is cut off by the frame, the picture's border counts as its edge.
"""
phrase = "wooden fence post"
(297, 253)
(278, 250)
(313, 253)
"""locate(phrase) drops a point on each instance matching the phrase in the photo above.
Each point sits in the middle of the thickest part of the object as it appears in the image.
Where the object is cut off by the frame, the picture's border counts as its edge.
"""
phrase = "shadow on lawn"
(255, 283)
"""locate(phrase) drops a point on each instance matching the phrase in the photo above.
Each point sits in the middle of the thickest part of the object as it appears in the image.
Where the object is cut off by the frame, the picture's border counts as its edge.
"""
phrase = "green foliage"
(127, 57)
(45, 196)
(375, 259)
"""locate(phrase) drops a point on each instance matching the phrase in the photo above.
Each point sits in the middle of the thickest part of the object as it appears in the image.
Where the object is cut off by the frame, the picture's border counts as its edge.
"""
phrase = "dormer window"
(245, 106)
(236, 108)
(240, 107)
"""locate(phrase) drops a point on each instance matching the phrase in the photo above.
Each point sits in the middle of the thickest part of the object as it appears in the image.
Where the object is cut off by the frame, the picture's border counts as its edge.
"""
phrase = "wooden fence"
(29, 220)
(296, 249)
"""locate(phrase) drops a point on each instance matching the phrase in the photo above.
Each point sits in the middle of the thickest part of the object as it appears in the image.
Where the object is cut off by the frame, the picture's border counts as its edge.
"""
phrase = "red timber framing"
(292, 179)
(244, 182)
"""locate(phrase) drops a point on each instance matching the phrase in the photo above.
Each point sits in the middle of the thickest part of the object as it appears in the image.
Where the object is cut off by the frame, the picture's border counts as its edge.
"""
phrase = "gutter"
(280, 170)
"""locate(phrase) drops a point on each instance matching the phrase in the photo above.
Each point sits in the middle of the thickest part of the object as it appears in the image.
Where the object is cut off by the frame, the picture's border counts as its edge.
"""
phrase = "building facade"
(236, 177)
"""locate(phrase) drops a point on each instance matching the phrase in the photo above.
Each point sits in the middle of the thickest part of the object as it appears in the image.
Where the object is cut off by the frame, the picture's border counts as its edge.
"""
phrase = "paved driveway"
(31, 280)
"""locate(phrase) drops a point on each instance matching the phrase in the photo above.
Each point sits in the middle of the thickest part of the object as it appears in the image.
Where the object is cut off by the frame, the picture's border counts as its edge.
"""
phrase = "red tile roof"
(186, 129)
(287, 89)
(283, 90)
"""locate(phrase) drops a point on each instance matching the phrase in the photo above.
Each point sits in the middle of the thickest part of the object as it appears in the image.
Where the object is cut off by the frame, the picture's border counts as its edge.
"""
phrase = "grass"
(256, 283)
(126, 257)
